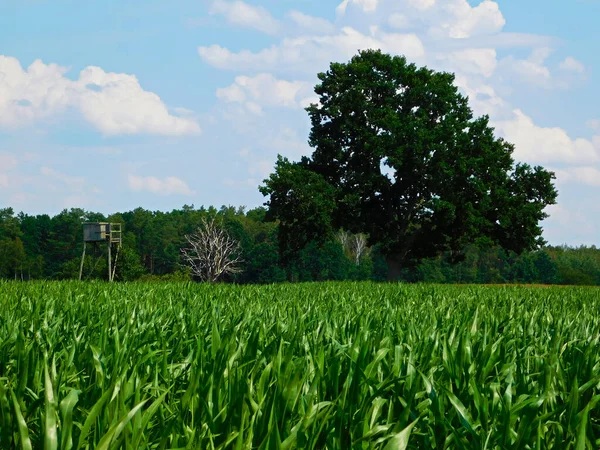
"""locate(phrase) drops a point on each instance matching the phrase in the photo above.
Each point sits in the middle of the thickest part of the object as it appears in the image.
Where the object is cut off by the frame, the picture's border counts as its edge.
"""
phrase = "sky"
(110, 105)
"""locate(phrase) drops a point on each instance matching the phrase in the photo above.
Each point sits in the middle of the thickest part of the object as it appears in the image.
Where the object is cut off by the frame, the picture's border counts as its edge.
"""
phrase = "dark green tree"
(398, 155)
(304, 204)
(546, 268)
(262, 265)
(320, 262)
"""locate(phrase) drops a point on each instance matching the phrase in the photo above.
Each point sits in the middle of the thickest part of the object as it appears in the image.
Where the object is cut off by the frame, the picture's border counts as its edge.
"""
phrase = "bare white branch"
(360, 247)
(212, 253)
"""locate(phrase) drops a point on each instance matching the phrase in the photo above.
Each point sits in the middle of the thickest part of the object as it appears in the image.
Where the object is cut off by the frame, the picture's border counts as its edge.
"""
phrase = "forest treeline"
(45, 247)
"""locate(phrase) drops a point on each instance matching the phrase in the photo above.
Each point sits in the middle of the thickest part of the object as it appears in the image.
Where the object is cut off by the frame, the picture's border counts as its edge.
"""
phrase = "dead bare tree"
(343, 238)
(212, 253)
(360, 247)
(355, 245)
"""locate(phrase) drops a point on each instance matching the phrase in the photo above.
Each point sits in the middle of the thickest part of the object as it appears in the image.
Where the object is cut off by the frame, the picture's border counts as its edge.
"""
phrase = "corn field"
(315, 366)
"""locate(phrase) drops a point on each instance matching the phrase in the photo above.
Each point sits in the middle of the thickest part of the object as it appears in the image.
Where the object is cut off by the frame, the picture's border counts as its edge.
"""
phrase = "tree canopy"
(399, 155)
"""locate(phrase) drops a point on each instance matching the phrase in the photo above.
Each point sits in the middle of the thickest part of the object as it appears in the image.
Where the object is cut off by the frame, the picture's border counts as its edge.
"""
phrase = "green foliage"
(333, 365)
(320, 263)
(398, 155)
(129, 267)
(303, 203)
(180, 275)
(263, 264)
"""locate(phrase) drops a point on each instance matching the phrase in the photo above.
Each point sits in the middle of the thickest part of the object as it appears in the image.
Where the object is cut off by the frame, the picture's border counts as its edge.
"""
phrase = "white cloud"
(36, 93)
(421, 4)
(483, 98)
(309, 54)
(154, 185)
(254, 108)
(572, 223)
(112, 103)
(536, 144)
(465, 21)
(123, 107)
(586, 175)
(442, 18)
(240, 13)
(533, 69)
(479, 61)
(311, 24)
(265, 90)
(398, 21)
(570, 64)
(364, 5)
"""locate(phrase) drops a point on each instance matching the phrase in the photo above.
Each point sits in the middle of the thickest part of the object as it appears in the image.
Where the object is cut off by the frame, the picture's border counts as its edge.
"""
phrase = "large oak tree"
(399, 155)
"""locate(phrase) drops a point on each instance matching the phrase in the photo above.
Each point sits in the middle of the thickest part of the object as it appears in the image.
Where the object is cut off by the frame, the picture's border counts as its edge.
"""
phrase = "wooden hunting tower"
(96, 233)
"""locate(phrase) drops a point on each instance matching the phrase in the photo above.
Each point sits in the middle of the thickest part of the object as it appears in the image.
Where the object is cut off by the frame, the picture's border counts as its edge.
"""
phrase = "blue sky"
(110, 105)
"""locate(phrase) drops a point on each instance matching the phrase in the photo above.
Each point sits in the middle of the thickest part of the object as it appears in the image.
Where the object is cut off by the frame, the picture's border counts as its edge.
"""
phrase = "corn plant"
(312, 366)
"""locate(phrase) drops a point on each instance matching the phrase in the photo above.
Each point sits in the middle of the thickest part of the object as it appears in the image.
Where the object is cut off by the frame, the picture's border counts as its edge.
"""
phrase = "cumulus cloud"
(483, 98)
(311, 24)
(265, 90)
(537, 144)
(571, 64)
(398, 21)
(573, 223)
(364, 5)
(479, 61)
(32, 94)
(474, 32)
(465, 20)
(533, 69)
(241, 13)
(113, 103)
(442, 18)
(312, 53)
(154, 185)
(586, 175)
(421, 4)
(120, 106)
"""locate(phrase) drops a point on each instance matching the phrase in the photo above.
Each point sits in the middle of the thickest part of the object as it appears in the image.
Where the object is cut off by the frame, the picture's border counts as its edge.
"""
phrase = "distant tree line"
(45, 247)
